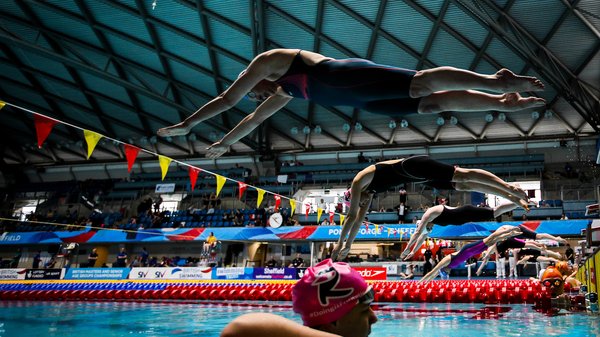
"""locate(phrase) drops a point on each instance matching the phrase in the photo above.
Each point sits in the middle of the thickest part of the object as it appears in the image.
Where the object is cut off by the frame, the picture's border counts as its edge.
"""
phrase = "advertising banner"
(235, 273)
(177, 273)
(96, 273)
(12, 274)
(372, 273)
(275, 273)
(43, 274)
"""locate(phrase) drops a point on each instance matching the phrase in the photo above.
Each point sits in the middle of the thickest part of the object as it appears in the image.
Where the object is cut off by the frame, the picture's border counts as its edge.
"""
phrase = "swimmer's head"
(261, 91)
(328, 291)
(347, 197)
(563, 267)
(553, 280)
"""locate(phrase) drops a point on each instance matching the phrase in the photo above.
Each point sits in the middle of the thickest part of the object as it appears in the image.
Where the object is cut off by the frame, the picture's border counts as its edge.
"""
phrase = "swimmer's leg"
(471, 100)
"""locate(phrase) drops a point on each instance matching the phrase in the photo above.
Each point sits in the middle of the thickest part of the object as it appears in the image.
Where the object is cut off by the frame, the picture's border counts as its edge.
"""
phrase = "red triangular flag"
(242, 186)
(331, 214)
(307, 209)
(277, 201)
(193, 172)
(131, 152)
(43, 126)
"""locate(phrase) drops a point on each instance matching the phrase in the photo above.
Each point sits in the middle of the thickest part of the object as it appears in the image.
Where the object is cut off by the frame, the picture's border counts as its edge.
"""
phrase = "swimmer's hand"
(409, 256)
(178, 129)
(216, 150)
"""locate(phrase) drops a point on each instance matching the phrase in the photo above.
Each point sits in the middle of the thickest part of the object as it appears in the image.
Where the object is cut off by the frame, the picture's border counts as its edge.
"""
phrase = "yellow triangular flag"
(2, 104)
(220, 182)
(342, 217)
(292, 206)
(261, 194)
(376, 228)
(164, 165)
(319, 212)
(91, 138)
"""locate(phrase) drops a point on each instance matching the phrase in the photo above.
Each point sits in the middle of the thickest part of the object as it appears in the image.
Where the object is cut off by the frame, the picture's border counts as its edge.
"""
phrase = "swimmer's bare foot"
(515, 102)
(518, 192)
(179, 129)
(518, 83)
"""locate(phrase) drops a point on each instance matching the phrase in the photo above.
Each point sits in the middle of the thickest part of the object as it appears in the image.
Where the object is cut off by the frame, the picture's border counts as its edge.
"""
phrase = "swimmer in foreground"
(443, 215)
(419, 169)
(332, 299)
(275, 77)
(474, 248)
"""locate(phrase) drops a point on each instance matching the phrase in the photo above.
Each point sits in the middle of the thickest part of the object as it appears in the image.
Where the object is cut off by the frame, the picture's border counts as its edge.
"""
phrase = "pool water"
(108, 319)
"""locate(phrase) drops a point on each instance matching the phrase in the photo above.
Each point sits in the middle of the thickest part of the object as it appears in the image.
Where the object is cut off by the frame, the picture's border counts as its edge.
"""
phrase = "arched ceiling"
(127, 68)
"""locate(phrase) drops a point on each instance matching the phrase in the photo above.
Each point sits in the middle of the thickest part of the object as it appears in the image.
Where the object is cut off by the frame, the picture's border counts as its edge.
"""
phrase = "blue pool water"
(108, 319)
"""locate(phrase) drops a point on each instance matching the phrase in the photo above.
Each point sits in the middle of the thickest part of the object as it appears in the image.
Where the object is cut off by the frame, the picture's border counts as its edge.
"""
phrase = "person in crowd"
(570, 254)
(427, 255)
(472, 249)
(275, 77)
(121, 258)
(418, 169)
(332, 299)
(272, 263)
(37, 259)
(444, 215)
(144, 257)
(92, 258)
(298, 262)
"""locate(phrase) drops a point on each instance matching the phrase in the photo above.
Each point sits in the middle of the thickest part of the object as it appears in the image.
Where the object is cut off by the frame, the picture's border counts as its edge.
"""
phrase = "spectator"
(121, 259)
(410, 273)
(298, 262)
(15, 260)
(362, 158)
(427, 259)
(272, 263)
(144, 257)
(157, 204)
(37, 259)
(92, 258)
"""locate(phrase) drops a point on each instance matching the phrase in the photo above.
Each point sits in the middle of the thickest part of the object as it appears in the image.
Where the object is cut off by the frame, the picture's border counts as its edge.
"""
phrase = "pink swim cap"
(327, 292)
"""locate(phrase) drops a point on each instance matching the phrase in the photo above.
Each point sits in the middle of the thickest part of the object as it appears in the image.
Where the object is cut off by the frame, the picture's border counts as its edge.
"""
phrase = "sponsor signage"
(43, 274)
(164, 188)
(371, 232)
(235, 273)
(372, 273)
(96, 273)
(12, 274)
(300, 272)
(275, 273)
(177, 273)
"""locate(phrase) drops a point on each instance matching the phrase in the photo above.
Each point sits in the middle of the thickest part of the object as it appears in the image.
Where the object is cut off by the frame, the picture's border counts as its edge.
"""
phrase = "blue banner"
(96, 273)
(275, 273)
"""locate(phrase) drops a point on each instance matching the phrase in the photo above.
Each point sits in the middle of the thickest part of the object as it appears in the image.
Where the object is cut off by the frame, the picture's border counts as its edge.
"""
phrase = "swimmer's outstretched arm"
(257, 71)
(486, 258)
(270, 106)
(436, 270)
(416, 240)
(264, 324)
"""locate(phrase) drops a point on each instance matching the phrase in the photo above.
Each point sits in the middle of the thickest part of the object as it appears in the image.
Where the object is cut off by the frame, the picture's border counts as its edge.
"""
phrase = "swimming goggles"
(552, 282)
(368, 297)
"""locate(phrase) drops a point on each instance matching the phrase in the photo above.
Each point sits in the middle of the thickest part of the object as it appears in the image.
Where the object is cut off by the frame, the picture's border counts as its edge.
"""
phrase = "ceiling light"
(318, 129)
(548, 114)
(358, 126)
(501, 116)
(453, 120)
(489, 118)
(306, 130)
(440, 121)
(346, 127)
(392, 124)
(535, 115)
(294, 130)
(404, 123)
(192, 138)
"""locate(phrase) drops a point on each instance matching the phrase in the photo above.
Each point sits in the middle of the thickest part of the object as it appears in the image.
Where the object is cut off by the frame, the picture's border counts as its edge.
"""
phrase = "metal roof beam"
(433, 33)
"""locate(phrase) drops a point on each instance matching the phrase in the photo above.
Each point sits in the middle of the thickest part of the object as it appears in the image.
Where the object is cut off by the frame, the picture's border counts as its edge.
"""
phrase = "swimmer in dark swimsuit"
(420, 169)
(276, 76)
(472, 249)
(443, 215)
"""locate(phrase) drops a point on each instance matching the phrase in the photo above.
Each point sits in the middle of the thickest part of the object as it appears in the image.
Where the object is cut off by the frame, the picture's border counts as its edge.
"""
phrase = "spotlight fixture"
(535, 115)
(404, 123)
(346, 127)
(306, 130)
(501, 117)
(318, 129)
(489, 118)
(453, 120)
(392, 124)
(440, 121)
(548, 114)
(358, 126)
(294, 130)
